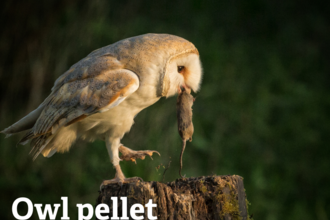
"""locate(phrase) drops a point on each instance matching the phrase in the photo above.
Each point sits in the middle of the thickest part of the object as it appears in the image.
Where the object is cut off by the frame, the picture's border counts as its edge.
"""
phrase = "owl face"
(184, 70)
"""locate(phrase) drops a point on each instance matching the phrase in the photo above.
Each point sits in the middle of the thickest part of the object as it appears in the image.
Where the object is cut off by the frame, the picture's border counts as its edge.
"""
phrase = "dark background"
(262, 112)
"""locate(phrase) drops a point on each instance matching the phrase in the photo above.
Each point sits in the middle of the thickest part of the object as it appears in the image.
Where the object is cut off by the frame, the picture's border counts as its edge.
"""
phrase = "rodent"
(184, 105)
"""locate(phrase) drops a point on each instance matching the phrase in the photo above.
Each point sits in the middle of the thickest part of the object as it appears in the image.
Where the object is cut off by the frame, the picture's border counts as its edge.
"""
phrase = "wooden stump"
(213, 197)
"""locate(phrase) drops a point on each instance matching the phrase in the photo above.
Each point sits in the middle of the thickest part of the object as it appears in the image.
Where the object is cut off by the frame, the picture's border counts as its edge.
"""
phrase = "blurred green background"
(262, 112)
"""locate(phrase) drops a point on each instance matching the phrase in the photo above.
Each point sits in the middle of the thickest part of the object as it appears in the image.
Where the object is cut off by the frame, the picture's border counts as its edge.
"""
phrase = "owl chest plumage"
(117, 121)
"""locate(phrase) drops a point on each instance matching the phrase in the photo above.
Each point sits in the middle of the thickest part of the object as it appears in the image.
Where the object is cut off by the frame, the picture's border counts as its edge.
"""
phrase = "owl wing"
(85, 89)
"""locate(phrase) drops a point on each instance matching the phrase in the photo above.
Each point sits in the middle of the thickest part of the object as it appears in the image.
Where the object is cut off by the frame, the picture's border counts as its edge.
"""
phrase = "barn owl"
(99, 96)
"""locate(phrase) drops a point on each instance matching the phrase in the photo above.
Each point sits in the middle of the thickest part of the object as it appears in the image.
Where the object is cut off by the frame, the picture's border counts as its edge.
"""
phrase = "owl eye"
(180, 69)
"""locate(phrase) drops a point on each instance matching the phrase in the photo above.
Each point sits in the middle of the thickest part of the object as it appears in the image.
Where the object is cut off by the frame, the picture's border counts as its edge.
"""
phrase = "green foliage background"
(262, 112)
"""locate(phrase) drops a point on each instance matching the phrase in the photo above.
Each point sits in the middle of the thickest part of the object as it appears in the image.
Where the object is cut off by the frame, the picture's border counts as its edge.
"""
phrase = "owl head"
(179, 63)
(183, 70)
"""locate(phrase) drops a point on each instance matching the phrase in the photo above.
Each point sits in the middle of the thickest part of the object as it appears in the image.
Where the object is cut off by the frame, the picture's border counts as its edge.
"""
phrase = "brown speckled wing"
(89, 67)
(90, 86)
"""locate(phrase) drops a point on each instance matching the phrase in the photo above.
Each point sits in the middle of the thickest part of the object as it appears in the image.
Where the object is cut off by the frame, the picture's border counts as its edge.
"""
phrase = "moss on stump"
(212, 197)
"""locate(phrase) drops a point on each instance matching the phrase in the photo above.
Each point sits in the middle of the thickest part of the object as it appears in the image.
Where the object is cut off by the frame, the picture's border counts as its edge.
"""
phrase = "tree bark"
(213, 197)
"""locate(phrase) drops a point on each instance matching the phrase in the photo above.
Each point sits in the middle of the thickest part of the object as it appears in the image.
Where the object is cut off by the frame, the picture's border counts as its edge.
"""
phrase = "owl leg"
(119, 178)
(112, 147)
(131, 155)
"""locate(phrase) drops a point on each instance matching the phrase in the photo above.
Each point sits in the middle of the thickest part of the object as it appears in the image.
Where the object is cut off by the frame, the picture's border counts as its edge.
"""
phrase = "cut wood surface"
(212, 197)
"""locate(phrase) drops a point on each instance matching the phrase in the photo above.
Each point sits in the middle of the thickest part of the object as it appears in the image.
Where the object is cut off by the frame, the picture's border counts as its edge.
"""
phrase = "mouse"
(184, 105)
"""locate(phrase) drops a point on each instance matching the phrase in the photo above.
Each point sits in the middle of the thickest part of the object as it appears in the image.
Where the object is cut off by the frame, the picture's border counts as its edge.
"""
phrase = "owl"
(99, 96)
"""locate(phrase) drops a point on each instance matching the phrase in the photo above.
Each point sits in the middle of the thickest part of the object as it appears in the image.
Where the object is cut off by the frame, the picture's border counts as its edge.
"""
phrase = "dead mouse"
(184, 105)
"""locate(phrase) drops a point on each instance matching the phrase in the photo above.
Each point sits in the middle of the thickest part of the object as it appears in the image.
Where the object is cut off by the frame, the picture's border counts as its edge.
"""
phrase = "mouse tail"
(181, 155)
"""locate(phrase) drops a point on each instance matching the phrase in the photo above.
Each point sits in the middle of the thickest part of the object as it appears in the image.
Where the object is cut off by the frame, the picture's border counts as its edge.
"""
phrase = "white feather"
(192, 64)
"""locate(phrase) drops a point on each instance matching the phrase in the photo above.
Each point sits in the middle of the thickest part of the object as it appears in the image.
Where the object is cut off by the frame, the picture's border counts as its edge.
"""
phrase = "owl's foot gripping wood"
(120, 179)
(132, 155)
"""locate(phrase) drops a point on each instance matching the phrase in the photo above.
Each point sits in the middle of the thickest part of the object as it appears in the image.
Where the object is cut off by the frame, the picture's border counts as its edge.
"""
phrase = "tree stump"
(213, 197)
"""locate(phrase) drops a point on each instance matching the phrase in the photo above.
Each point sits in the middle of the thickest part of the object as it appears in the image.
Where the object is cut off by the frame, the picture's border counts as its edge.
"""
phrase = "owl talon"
(132, 155)
(119, 179)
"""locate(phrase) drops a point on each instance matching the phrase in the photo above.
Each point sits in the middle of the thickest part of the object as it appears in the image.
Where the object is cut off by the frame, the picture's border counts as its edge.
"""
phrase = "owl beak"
(187, 88)
(184, 88)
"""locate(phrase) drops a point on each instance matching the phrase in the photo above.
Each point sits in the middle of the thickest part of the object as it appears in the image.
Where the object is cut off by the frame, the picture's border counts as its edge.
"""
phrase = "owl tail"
(39, 144)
